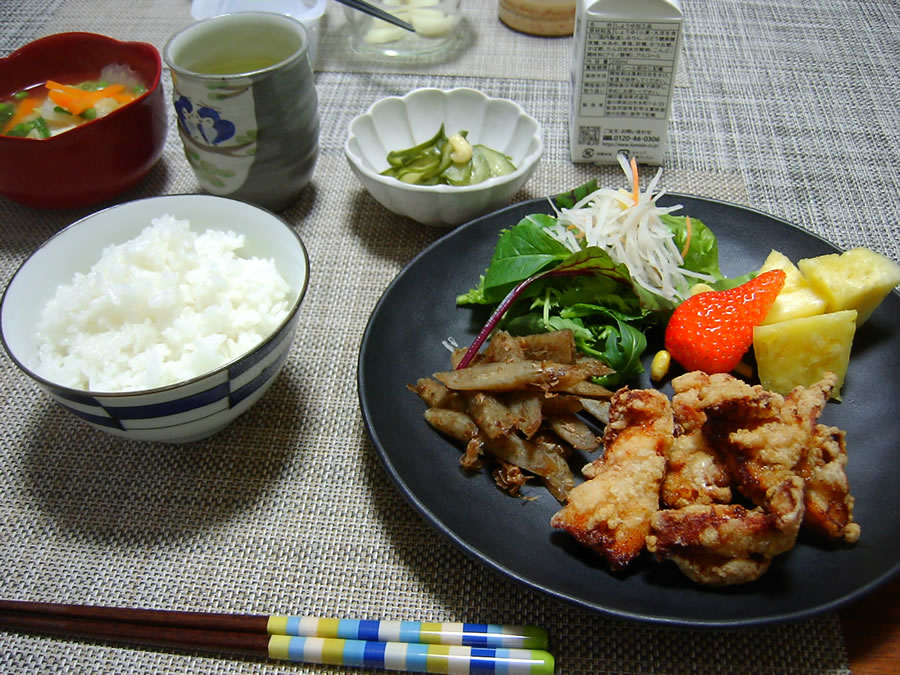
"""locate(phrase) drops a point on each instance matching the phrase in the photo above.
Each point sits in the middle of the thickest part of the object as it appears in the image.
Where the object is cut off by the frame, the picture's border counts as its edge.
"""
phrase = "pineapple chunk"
(800, 351)
(856, 279)
(797, 298)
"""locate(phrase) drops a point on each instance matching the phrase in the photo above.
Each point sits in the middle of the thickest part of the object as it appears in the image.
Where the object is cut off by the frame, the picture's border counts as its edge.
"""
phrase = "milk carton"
(623, 73)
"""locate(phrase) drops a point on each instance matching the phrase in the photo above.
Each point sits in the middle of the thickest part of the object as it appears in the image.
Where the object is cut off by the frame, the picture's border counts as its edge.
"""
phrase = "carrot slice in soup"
(24, 109)
(76, 100)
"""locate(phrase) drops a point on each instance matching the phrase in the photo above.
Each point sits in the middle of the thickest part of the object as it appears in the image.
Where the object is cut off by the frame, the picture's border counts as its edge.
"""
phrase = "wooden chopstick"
(246, 623)
(391, 645)
(147, 635)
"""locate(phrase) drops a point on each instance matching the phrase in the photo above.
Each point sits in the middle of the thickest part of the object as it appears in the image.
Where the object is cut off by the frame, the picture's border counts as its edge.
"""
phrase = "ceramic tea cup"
(246, 105)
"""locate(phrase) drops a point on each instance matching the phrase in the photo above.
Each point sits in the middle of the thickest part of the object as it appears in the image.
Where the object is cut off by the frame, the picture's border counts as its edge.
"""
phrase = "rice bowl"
(202, 400)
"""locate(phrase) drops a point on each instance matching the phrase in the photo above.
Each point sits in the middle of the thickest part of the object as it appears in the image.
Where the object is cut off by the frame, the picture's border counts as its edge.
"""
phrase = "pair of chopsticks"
(410, 646)
(378, 13)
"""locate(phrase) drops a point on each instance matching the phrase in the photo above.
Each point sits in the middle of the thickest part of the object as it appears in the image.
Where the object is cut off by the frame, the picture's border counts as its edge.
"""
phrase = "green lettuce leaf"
(567, 200)
(703, 254)
(521, 252)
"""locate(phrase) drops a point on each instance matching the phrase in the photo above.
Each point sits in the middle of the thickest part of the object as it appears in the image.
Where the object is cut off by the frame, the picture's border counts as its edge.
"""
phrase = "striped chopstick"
(411, 657)
(409, 646)
(464, 634)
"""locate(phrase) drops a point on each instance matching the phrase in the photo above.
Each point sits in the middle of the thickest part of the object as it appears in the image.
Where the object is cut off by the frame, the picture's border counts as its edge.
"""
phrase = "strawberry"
(712, 331)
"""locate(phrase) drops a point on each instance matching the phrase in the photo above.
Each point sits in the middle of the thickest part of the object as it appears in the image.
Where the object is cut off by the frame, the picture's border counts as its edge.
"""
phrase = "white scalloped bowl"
(396, 123)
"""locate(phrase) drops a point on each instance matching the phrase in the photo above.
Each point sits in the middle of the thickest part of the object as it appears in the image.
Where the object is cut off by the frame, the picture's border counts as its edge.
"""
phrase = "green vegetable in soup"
(7, 110)
(37, 125)
(93, 85)
(449, 161)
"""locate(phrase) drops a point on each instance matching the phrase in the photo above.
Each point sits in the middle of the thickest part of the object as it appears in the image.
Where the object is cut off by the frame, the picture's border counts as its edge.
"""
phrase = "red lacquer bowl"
(98, 160)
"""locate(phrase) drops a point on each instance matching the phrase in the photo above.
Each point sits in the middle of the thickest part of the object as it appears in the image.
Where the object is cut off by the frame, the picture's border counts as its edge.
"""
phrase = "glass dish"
(437, 24)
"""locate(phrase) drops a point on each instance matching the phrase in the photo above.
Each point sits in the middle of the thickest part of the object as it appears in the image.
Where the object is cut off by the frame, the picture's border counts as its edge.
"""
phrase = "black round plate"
(403, 341)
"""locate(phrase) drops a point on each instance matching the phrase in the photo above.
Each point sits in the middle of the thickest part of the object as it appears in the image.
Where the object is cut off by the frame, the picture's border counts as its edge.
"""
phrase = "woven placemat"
(288, 509)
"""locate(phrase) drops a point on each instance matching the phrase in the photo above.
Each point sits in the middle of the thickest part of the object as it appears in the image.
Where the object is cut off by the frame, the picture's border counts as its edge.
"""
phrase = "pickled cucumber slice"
(431, 163)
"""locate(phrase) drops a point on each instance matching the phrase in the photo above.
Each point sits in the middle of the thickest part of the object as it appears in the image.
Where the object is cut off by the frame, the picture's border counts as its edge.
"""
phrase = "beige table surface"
(789, 106)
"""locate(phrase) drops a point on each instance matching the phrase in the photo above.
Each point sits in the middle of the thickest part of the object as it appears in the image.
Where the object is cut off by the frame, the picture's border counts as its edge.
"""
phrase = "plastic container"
(626, 54)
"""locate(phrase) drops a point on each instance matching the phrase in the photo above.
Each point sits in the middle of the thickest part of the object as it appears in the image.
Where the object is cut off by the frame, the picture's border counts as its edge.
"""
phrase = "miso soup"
(52, 107)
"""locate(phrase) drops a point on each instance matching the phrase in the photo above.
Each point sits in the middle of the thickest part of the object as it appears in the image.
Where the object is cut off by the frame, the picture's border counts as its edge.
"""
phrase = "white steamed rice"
(167, 306)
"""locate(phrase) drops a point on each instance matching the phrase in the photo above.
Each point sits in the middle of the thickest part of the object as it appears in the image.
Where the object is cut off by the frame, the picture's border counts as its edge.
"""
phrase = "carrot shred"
(687, 240)
(53, 84)
(24, 109)
(76, 100)
(110, 89)
(67, 101)
(636, 185)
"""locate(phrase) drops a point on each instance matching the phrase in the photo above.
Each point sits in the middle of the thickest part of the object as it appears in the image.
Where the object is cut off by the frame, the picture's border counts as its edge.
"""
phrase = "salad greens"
(538, 284)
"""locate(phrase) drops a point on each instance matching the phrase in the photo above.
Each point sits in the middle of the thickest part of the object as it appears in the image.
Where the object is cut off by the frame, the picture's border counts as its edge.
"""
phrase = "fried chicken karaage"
(720, 481)
(776, 456)
(695, 474)
(611, 511)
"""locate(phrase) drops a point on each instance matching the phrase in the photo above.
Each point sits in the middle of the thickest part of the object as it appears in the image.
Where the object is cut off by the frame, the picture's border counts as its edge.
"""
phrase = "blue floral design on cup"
(205, 118)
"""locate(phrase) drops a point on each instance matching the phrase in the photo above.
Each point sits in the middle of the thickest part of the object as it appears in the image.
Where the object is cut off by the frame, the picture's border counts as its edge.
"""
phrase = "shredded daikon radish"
(632, 233)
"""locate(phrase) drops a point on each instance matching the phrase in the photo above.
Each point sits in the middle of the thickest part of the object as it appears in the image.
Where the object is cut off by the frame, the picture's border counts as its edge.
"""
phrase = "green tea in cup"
(232, 66)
